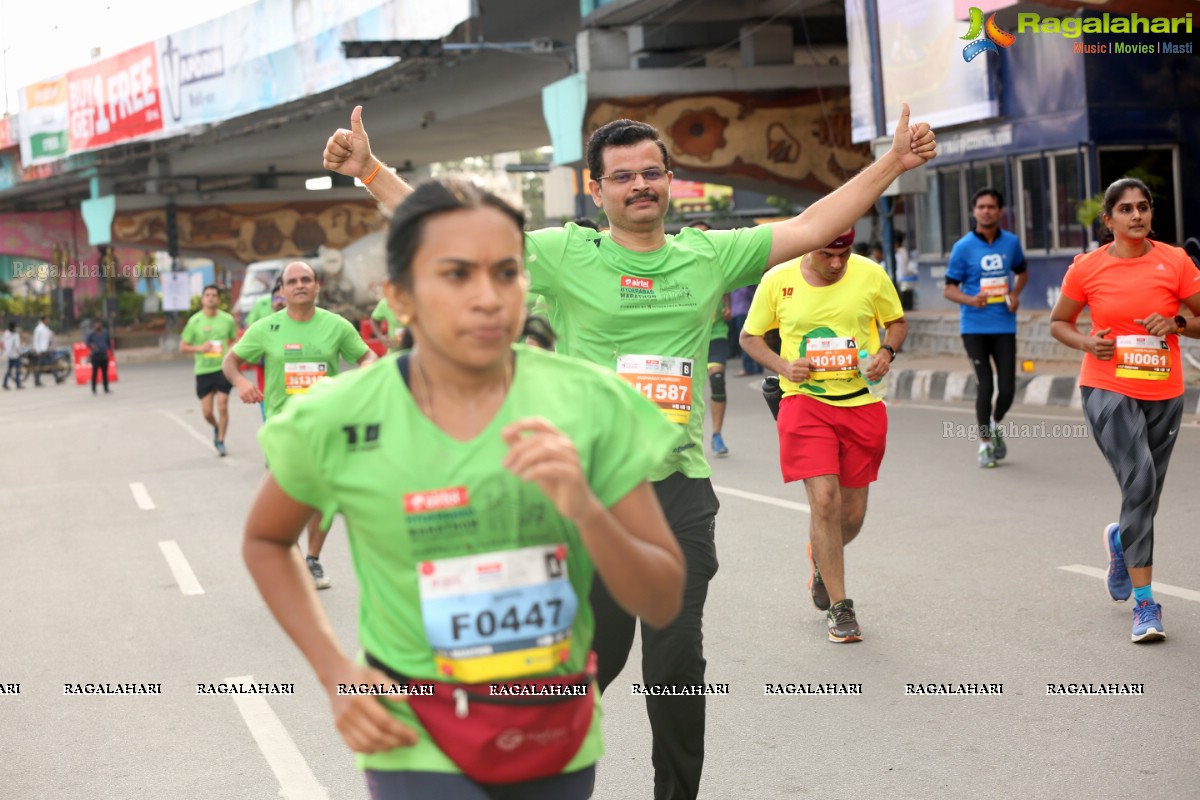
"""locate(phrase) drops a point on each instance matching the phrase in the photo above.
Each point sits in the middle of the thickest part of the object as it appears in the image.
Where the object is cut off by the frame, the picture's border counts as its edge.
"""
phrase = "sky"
(38, 45)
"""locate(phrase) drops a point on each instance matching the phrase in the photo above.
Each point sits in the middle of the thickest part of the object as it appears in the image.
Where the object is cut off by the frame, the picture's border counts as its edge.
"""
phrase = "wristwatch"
(1180, 324)
(890, 349)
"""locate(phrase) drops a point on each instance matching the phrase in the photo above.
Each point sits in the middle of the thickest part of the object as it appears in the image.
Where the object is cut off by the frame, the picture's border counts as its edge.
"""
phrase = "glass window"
(1033, 204)
(954, 224)
(929, 227)
(1069, 234)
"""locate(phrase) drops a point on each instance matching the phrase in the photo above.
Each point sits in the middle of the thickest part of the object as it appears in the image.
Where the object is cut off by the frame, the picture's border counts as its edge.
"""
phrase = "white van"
(260, 279)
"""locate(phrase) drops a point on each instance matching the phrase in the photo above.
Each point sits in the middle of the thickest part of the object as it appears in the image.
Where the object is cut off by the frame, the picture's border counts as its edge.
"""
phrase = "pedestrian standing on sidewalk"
(1131, 379)
(986, 275)
(43, 341)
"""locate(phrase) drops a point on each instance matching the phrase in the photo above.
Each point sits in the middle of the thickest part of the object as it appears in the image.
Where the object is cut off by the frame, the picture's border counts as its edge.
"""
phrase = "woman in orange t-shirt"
(1131, 380)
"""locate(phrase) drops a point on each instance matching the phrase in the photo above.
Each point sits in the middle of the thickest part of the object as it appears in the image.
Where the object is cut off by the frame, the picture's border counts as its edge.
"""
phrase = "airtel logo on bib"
(437, 500)
(628, 282)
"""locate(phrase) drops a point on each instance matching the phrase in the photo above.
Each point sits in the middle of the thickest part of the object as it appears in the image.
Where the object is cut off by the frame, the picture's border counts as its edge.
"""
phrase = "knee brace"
(717, 382)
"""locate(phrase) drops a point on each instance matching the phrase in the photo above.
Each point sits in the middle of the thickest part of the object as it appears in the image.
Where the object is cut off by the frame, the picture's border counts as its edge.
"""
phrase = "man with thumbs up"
(641, 302)
(986, 274)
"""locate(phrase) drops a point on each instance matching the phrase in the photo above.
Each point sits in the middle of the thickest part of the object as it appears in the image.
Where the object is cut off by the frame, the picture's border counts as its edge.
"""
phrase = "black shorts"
(212, 382)
(718, 351)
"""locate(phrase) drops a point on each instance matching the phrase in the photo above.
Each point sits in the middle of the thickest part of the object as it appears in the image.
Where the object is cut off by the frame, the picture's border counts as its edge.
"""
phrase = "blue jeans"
(14, 369)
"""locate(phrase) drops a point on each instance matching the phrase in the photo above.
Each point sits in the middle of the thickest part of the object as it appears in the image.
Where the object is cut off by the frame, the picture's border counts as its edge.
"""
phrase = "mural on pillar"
(798, 138)
(253, 232)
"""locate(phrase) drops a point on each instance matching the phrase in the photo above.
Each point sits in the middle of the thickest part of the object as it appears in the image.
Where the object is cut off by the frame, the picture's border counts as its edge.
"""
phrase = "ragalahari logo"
(995, 35)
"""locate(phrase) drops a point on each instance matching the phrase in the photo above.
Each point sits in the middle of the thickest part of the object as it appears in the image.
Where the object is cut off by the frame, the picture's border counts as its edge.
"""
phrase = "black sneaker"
(843, 624)
(816, 586)
(318, 574)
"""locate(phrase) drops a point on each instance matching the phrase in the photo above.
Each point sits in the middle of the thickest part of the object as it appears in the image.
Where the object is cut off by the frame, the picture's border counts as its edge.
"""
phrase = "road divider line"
(180, 568)
(195, 434)
(1159, 588)
(141, 496)
(762, 498)
(296, 780)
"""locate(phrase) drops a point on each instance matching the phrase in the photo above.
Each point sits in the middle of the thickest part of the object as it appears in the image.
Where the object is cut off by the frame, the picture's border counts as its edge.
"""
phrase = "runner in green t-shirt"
(208, 334)
(482, 482)
(637, 300)
(300, 345)
(395, 331)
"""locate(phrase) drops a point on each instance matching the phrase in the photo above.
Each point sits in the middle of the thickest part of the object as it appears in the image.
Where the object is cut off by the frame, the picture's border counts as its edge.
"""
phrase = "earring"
(404, 319)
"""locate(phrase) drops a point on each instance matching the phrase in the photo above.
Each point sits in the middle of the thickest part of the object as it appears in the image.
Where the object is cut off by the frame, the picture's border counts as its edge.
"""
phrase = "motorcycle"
(57, 363)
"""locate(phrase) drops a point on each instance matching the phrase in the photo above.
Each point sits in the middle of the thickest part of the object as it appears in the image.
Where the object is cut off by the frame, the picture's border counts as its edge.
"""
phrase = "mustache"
(643, 196)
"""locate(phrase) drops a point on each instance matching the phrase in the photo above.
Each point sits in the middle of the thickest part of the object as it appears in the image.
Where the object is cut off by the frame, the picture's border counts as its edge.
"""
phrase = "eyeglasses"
(621, 178)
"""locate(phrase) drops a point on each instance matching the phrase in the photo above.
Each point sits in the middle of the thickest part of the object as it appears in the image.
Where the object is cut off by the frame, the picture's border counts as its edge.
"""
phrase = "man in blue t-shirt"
(986, 275)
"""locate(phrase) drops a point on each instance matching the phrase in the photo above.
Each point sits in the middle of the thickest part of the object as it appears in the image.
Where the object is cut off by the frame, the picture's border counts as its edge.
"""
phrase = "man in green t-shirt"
(299, 345)
(395, 331)
(637, 300)
(208, 334)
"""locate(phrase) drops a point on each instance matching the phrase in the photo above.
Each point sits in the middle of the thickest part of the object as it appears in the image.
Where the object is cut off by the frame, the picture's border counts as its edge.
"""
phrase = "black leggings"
(983, 349)
(450, 786)
(1136, 438)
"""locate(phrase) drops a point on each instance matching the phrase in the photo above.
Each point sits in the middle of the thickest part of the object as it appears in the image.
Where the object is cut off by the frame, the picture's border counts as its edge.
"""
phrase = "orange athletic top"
(1120, 290)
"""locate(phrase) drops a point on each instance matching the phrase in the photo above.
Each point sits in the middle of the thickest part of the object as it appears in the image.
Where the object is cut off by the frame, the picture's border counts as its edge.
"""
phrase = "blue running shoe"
(1147, 622)
(719, 448)
(1119, 584)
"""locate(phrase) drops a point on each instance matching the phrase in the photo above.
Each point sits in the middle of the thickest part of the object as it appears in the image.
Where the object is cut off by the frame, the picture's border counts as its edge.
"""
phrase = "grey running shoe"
(987, 456)
(999, 448)
(318, 574)
(843, 624)
(221, 448)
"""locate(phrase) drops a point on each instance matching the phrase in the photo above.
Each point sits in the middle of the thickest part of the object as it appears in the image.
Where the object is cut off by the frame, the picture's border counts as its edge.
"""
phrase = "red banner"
(114, 99)
(8, 133)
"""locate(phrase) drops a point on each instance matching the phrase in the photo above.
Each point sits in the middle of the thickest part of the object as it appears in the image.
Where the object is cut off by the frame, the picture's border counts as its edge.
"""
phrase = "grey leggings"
(1136, 438)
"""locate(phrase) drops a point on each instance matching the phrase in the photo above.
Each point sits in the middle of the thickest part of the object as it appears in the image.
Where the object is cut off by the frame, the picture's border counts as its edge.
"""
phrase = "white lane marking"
(208, 445)
(1159, 588)
(762, 498)
(296, 780)
(180, 568)
(141, 496)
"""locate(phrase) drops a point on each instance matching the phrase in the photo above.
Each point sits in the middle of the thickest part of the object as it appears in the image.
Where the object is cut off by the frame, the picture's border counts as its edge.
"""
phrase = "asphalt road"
(958, 577)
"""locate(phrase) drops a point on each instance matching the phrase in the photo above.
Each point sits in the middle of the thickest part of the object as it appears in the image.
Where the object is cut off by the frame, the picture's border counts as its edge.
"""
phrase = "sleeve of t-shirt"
(545, 251)
(632, 438)
(379, 312)
(956, 270)
(763, 316)
(1072, 284)
(251, 346)
(189, 330)
(887, 301)
(742, 254)
(1019, 263)
(353, 347)
(293, 444)
(1189, 276)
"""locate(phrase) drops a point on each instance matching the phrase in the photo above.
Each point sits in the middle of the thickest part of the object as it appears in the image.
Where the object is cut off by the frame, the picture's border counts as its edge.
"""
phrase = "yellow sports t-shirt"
(828, 325)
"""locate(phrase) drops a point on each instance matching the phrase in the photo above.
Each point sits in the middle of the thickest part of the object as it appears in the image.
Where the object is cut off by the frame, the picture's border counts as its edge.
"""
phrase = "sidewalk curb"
(1032, 390)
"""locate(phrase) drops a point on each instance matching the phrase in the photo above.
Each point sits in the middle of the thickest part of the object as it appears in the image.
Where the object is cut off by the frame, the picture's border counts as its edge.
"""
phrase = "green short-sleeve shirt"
(298, 354)
(220, 329)
(647, 315)
(428, 515)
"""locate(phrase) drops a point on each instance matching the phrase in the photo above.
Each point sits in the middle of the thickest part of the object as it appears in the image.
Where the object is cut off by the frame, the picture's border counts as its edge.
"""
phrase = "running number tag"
(498, 615)
(299, 376)
(1145, 358)
(217, 349)
(665, 380)
(994, 289)
(832, 359)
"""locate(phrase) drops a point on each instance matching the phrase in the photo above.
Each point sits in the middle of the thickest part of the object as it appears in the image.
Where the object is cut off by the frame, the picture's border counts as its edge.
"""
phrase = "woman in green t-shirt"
(481, 482)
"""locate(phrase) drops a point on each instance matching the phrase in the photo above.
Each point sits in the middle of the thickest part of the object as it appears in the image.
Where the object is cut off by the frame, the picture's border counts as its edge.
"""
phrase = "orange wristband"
(367, 180)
